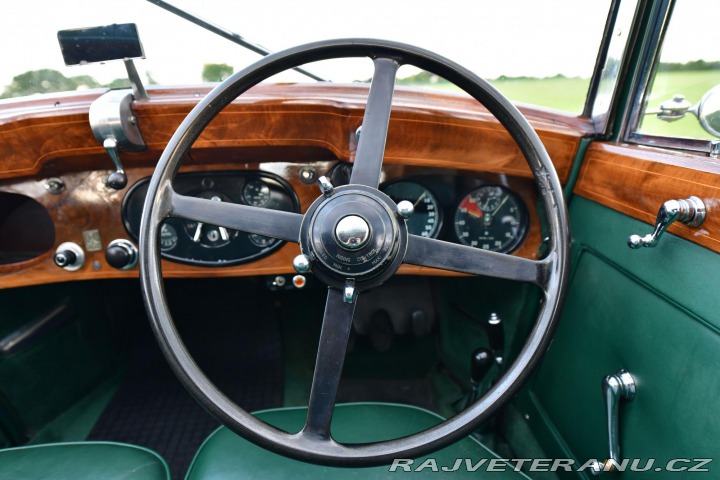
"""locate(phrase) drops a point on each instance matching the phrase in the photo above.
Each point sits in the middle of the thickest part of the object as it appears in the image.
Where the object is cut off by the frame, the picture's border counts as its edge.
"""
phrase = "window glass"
(539, 52)
(688, 68)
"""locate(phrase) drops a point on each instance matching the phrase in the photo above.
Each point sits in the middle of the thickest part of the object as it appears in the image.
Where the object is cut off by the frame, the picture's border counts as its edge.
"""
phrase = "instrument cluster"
(196, 243)
(450, 206)
(463, 210)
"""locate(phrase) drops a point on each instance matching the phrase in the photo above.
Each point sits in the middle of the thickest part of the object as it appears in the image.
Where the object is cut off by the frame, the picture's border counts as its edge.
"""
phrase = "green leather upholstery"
(82, 461)
(225, 455)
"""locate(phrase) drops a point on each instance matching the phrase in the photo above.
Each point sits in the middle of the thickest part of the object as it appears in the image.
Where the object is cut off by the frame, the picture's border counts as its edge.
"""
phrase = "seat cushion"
(225, 455)
(82, 461)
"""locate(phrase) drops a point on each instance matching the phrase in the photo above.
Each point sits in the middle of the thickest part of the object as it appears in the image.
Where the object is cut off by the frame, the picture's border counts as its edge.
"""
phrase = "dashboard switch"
(121, 254)
(70, 256)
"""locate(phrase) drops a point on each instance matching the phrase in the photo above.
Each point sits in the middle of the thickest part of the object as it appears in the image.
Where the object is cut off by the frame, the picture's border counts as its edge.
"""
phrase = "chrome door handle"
(616, 387)
(690, 211)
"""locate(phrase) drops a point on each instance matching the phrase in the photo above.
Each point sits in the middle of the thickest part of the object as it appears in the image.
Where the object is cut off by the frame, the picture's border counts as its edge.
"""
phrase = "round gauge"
(261, 241)
(256, 193)
(426, 219)
(209, 235)
(492, 218)
(168, 237)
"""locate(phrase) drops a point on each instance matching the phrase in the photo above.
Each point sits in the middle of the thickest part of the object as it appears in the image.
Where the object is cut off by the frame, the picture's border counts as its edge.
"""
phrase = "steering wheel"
(354, 238)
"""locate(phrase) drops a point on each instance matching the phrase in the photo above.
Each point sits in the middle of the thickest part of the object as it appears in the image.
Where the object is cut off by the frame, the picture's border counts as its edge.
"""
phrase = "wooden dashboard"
(274, 128)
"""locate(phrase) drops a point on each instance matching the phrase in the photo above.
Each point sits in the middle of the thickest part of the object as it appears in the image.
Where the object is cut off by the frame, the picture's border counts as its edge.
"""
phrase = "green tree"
(216, 72)
(119, 83)
(46, 81)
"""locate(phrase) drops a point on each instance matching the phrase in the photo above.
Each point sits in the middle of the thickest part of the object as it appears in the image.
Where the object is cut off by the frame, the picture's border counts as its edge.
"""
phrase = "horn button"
(353, 234)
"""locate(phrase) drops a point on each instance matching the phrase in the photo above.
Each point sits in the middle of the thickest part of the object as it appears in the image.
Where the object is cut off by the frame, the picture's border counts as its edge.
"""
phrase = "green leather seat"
(82, 461)
(225, 455)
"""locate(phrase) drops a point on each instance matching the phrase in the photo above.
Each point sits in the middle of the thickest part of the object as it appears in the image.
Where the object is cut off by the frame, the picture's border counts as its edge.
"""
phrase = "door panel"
(653, 312)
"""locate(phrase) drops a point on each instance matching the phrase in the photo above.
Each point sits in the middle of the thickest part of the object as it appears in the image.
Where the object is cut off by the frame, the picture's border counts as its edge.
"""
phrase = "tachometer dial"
(492, 218)
(426, 219)
(256, 193)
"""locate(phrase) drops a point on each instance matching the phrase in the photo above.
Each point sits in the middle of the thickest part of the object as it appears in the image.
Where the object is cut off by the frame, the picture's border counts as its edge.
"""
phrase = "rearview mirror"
(99, 44)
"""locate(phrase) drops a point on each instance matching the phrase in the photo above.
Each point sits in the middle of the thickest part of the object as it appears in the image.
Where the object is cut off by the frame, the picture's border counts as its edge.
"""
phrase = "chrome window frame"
(649, 59)
(602, 114)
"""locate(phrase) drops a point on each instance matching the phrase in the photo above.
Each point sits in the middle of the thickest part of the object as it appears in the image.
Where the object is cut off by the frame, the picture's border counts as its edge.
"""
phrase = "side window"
(682, 100)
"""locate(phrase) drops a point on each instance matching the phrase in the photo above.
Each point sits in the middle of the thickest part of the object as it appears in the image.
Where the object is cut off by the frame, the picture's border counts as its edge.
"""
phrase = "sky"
(493, 38)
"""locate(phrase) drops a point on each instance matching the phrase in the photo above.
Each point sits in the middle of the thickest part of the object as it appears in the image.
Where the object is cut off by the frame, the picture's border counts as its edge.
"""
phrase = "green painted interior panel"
(43, 380)
(653, 312)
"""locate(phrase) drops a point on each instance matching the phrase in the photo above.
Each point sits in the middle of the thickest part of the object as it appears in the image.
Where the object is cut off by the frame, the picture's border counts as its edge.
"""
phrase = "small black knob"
(121, 254)
(480, 363)
(117, 180)
(65, 258)
(118, 256)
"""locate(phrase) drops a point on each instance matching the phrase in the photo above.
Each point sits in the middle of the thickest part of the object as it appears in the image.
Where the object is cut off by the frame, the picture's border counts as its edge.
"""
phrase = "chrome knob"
(301, 263)
(352, 232)
(349, 292)
(70, 256)
(405, 209)
(325, 186)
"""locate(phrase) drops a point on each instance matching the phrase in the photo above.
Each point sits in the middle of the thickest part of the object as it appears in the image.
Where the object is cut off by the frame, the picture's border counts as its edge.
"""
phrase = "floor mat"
(242, 356)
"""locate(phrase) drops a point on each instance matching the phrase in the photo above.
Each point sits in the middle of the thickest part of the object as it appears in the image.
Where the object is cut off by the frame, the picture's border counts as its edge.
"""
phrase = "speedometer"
(492, 218)
(426, 219)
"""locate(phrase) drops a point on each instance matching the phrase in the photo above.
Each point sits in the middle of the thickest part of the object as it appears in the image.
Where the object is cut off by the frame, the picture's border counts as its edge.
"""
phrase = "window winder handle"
(690, 211)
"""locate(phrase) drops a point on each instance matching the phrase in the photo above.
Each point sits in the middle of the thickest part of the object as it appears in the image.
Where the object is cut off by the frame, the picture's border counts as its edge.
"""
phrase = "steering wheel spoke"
(429, 252)
(263, 221)
(371, 147)
(334, 335)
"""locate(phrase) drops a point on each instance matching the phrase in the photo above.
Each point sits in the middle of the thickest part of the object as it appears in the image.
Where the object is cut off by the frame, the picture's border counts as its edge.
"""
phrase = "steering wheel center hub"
(353, 234)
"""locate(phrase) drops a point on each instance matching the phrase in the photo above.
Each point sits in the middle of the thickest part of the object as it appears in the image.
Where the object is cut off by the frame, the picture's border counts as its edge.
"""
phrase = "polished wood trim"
(426, 128)
(637, 180)
(277, 128)
(86, 204)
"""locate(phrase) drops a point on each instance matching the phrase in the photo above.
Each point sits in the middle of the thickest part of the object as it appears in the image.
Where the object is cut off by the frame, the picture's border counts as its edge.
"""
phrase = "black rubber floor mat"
(417, 392)
(240, 353)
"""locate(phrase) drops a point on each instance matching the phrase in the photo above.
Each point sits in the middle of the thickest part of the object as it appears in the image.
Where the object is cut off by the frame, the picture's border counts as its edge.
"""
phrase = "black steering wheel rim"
(314, 445)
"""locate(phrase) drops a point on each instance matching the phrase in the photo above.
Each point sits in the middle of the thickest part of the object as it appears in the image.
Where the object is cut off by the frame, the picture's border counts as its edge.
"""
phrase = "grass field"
(568, 94)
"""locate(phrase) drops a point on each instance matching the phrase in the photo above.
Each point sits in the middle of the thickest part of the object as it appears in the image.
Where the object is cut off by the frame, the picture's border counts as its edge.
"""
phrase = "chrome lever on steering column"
(616, 387)
(690, 211)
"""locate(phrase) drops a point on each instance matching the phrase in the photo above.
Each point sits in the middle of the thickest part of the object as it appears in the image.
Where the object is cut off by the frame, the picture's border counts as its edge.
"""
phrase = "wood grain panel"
(87, 204)
(266, 128)
(638, 180)
(426, 129)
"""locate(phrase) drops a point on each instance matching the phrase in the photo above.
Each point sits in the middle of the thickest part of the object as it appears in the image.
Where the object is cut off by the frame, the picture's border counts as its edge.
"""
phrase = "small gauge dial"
(168, 237)
(426, 219)
(210, 236)
(492, 218)
(256, 193)
(261, 241)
